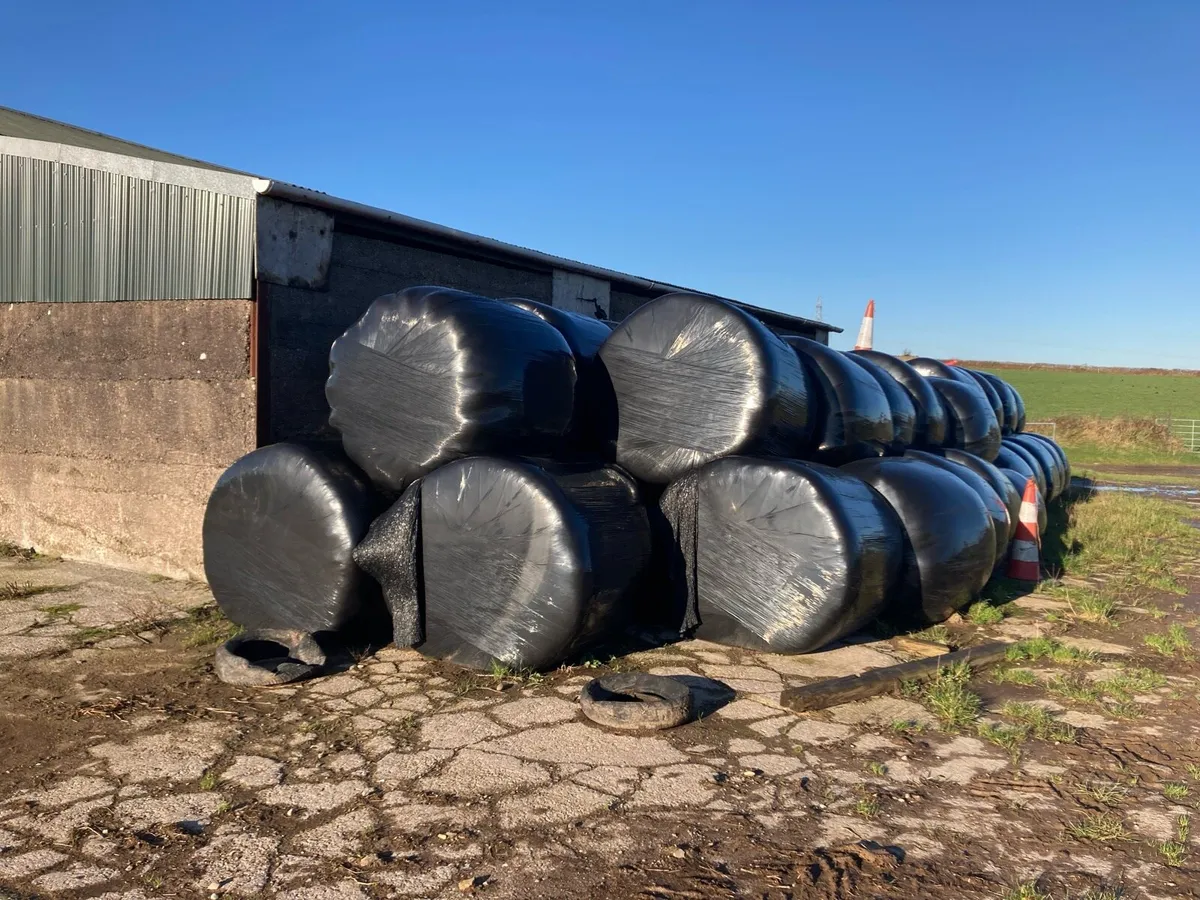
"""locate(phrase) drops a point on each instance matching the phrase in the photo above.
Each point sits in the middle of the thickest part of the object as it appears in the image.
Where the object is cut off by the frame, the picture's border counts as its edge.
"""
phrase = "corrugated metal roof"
(69, 233)
(14, 123)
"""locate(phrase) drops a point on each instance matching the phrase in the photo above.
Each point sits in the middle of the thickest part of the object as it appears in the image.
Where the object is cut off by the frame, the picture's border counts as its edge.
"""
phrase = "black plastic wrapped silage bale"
(929, 428)
(935, 368)
(970, 423)
(1020, 403)
(778, 555)
(697, 379)
(594, 424)
(1013, 456)
(1008, 402)
(992, 499)
(431, 374)
(1055, 473)
(989, 391)
(950, 543)
(1054, 447)
(279, 534)
(1000, 484)
(522, 564)
(904, 413)
(848, 409)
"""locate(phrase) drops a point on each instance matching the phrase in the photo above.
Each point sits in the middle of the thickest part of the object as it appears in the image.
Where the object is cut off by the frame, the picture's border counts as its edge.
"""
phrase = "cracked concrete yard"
(129, 772)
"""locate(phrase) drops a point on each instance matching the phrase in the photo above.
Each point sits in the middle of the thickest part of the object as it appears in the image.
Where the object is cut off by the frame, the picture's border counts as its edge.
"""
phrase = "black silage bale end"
(848, 409)
(904, 413)
(526, 565)
(279, 535)
(430, 374)
(780, 555)
(970, 423)
(696, 379)
(950, 544)
(930, 426)
(993, 499)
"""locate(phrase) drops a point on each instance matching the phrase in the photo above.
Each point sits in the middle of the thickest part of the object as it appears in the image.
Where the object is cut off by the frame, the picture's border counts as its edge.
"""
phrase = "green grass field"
(1049, 393)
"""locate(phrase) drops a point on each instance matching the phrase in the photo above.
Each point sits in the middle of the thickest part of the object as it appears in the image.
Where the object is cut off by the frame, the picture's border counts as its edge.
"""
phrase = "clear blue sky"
(1015, 180)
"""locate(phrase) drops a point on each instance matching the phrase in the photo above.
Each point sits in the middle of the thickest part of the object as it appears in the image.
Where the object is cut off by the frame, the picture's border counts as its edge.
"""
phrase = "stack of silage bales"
(519, 455)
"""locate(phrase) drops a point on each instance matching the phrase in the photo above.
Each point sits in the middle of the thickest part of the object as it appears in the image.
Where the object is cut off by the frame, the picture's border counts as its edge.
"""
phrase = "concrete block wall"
(117, 419)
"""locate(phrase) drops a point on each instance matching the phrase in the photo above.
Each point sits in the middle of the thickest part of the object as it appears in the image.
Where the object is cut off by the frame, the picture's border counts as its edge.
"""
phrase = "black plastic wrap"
(697, 379)
(779, 555)
(993, 396)
(1019, 481)
(594, 426)
(527, 564)
(1055, 474)
(935, 368)
(431, 374)
(1020, 401)
(999, 482)
(992, 500)
(904, 414)
(929, 429)
(950, 543)
(1012, 453)
(391, 554)
(279, 535)
(1053, 446)
(1008, 402)
(970, 423)
(847, 408)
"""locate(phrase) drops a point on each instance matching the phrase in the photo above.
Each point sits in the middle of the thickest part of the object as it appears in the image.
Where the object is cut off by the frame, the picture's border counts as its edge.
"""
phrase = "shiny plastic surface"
(391, 554)
(999, 483)
(526, 565)
(430, 374)
(991, 498)
(904, 414)
(935, 368)
(697, 379)
(1058, 451)
(594, 423)
(1008, 402)
(950, 543)
(1011, 452)
(970, 423)
(1020, 402)
(929, 429)
(847, 408)
(1056, 481)
(780, 555)
(993, 396)
(279, 534)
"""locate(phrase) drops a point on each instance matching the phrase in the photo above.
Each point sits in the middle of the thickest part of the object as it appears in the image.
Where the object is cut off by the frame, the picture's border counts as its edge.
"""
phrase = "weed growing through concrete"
(936, 634)
(1025, 891)
(877, 769)
(907, 726)
(982, 613)
(1173, 852)
(1033, 649)
(208, 780)
(948, 697)
(1176, 640)
(1093, 607)
(1098, 827)
(1175, 790)
(60, 611)
(20, 590)
(1193, 771)
(206, 627)
(1011, 675)
(1010, 737)
(1041, 724)
(867, 806)
(1108, 793)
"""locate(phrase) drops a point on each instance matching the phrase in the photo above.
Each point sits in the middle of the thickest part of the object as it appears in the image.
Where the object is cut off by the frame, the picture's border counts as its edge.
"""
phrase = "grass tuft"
(208, 780)
(1175, 640)
(1011, 675)
(867, 806)
(985, 614)
(1027, 890)
(947, 696)
(1010, 737)
(1041, 724)
(1175, 790)
(1098, 827)
(207, 626)
(877, 769)
(21, 590)
(1108, 793)
(1033, 649)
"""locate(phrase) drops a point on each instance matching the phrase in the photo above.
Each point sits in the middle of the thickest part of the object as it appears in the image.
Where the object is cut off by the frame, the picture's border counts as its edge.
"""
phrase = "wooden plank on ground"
(835, 691)
(923, 649)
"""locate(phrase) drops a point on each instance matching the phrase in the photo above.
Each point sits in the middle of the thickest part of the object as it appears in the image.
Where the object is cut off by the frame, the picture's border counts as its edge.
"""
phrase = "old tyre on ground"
(267, 657)
(634, 701)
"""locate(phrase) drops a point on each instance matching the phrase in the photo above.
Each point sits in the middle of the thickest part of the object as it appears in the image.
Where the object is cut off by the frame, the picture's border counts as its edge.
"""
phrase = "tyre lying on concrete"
(929, 427)
(696, 379)
(847, 408)
(279, 535)
(949, 539)
(430, 374)
(777, 555)
(488, 561)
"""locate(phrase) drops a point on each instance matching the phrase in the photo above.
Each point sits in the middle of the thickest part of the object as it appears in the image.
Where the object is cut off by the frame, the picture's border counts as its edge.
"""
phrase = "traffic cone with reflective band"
(866, 331)
(1024, 558)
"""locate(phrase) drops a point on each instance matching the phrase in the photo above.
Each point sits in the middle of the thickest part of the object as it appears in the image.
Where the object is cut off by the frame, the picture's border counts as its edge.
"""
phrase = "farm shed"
(161, 316)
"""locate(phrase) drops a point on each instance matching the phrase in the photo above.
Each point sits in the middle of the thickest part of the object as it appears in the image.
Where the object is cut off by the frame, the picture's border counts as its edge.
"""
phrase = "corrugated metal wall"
(74, 234)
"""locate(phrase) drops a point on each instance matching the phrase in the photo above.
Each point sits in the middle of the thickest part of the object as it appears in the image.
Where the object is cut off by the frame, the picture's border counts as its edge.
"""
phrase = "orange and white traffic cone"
(1024, 558)
(866, 331)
